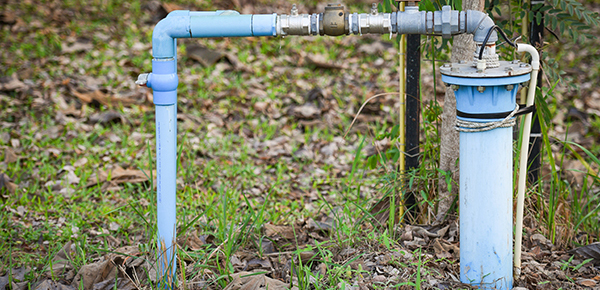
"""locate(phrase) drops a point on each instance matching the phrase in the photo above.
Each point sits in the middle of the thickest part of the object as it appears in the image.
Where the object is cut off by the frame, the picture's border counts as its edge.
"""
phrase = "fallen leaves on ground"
(110, 179)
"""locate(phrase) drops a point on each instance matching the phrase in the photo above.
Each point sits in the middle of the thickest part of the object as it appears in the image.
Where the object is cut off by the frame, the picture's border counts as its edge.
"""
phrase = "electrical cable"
(487, 37)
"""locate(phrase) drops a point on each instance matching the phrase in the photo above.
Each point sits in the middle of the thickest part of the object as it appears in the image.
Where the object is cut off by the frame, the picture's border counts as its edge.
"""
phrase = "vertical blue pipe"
(163, 82)
(486, 183)
(166, 148)
(486, 208)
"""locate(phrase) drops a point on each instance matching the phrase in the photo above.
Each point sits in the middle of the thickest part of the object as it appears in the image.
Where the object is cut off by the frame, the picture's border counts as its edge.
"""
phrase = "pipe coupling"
(380, 23)
(294, 24)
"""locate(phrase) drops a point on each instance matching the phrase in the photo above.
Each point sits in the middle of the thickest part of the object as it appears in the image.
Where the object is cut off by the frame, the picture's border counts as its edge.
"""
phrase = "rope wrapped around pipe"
(472, 127)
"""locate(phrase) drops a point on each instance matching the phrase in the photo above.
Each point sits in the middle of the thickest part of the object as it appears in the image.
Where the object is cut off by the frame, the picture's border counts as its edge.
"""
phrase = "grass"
(231, 183)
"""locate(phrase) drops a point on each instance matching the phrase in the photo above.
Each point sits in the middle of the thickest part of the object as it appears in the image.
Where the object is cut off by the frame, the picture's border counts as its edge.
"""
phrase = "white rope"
(492, 61)
(471, 127)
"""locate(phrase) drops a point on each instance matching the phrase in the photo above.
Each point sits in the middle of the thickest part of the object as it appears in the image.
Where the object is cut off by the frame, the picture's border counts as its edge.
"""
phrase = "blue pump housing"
(486, 177)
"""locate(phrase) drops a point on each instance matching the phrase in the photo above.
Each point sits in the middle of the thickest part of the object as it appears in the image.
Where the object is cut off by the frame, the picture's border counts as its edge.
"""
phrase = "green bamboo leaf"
(570, 10)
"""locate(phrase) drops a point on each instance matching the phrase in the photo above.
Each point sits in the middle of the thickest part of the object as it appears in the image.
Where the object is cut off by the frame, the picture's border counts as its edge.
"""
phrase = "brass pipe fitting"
(334, 20)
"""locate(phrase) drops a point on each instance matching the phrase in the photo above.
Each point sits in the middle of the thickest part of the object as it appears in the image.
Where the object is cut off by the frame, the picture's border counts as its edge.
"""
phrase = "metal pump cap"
(467, 70)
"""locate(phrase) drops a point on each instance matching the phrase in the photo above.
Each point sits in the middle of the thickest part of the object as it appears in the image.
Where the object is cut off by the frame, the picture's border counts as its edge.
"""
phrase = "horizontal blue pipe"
(221, 26)
(186, 24)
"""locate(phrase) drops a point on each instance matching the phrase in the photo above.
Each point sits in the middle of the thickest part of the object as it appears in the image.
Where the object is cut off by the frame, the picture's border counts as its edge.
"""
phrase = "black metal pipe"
(535, 141)
(413, 105)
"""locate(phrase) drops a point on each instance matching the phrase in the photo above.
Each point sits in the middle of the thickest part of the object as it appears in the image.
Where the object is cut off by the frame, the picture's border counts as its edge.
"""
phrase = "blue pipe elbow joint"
(163, 81)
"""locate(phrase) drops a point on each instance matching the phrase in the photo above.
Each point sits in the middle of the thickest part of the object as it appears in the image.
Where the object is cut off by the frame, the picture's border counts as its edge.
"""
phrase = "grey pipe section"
(446, 23)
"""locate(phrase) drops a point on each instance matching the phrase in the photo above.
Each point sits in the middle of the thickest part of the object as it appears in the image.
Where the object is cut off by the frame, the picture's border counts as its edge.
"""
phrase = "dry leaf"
(93, 273)
(191, 240)
(118, 176)
(204, 55)
(82, 44)
(10, 156)
(107, 117)
(80, 162)
(253, 281)
(285, 232)
(306, 111)
(103, 99)
(587, 282)
(61, 263)
(5, 182)
(591, 251)
(49, 284)
(321, 61)
(170, 7)
(11, 83)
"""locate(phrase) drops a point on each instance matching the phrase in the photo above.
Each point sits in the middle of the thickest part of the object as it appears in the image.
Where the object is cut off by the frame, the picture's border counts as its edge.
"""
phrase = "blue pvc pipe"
(186, 24)
(486, 184)
(166, 213)
(163, 80)
(486, 208)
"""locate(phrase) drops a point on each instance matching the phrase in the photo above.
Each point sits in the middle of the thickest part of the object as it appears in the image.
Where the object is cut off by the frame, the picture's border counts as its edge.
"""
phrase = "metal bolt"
(481, 89)
(515, 61)
(510, 87)
(523, 65)
(294, 11)
(447, 65)
(508, 68)
(374, 9)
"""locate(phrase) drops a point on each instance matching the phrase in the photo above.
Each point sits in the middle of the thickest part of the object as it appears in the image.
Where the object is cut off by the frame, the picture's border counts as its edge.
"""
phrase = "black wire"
(487, 37)
(512, 39)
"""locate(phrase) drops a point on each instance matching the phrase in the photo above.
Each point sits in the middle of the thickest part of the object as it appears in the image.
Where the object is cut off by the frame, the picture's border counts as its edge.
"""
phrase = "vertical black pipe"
(413, 105)
(535, 141)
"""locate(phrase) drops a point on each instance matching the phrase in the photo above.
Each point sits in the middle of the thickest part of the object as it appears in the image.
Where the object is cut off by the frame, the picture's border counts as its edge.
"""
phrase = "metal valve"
(334, 20)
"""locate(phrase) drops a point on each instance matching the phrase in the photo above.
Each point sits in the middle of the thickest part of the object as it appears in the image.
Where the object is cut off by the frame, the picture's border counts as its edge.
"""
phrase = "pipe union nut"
(447, 22)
